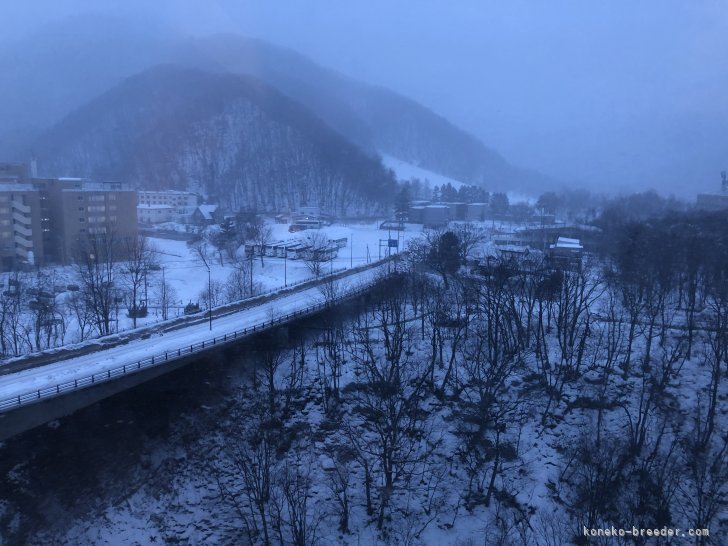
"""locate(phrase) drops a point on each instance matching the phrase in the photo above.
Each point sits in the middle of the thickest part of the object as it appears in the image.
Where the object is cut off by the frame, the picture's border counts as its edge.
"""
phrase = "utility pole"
(351, 251)
(165, 297)
(209, 288)
(285, 266)
(209, 293)
(251, 274)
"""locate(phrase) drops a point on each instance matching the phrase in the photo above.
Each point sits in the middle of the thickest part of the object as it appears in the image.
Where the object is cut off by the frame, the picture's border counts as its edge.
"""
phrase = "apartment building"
(80, 209)
(44, 220)
(20, 232)
(181, 201)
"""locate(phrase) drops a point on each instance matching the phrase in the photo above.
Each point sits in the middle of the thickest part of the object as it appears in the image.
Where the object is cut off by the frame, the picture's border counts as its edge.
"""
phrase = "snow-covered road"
(51, 375)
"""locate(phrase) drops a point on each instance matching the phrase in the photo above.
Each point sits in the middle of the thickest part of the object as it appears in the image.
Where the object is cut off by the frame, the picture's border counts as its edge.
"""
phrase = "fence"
(162, 358)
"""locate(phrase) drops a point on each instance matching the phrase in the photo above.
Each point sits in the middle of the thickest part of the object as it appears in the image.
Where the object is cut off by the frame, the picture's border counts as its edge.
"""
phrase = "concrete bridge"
(47, 388)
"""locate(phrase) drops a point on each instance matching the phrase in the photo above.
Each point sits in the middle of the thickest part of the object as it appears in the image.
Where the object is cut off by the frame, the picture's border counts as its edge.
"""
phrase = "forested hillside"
(50, 83)
(232, 138)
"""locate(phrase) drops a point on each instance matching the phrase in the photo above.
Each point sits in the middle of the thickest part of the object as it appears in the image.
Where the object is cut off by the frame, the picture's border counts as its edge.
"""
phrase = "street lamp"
(209, 288)
(209, 293)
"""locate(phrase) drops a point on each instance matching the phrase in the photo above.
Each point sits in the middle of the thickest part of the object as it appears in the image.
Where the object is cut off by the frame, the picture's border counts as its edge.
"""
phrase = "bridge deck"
(59, 378)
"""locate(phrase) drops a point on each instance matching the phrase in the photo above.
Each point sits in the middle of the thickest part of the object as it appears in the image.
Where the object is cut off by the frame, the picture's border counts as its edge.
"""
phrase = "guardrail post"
(152, 361)
(165, 355)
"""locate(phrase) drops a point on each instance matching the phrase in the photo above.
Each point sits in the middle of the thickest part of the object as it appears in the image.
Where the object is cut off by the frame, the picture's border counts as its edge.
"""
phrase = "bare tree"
(262, 236)
(470, 237)
(238, 283)
(167, 296)
(138, 256)
(389, 426)
(339, 482)
(319, 252)
(213, 295)
(97, 270)
(81, 313)
(15, 331)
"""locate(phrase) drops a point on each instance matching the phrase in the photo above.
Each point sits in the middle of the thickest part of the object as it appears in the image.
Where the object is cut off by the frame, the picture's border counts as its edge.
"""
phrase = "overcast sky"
(616, 94)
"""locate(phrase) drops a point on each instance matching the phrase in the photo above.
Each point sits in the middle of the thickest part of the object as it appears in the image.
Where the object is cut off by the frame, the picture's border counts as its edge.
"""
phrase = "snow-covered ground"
(53, 374)
(188, 275)
(407, 171)
(182, 268)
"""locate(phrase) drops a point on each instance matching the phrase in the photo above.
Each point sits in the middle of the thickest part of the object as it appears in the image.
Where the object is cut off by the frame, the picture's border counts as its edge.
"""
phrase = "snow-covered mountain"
(232, 138)
(74, 62)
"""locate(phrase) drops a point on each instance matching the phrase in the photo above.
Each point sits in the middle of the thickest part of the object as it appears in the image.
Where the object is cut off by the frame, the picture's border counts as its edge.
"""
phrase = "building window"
(81, 209)
(80, 197)
(81, 219)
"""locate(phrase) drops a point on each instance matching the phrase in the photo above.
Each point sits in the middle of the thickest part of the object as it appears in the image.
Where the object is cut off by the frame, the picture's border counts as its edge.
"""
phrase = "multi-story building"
(155, 214)
(80, 209)
(20, 233)
(181, 201)
(45, 220)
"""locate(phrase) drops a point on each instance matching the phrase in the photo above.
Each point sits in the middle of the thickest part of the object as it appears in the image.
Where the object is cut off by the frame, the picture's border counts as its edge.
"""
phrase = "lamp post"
(285, 266)
(209, 288)
(209, 292)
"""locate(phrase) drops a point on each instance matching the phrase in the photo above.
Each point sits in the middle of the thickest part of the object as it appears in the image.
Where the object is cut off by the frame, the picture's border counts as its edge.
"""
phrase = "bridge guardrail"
(161, 358)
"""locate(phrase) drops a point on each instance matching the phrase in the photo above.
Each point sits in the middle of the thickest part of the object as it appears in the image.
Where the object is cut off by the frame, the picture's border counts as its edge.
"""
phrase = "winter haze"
(607, 96)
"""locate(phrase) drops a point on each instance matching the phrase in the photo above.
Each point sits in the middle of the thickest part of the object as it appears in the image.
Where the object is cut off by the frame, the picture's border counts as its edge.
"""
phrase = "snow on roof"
(15, 187)
(166, 192)
(207, 211)
(565, 242)
(167, 207)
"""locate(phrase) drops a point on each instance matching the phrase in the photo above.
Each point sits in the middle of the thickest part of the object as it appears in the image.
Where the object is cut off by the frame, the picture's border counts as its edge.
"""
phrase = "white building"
(181, 201)
(155, 214)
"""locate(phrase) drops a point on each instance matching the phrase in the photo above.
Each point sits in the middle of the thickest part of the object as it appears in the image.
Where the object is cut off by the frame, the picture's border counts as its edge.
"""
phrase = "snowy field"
(188, 275)
(50, 375)
(183, 269)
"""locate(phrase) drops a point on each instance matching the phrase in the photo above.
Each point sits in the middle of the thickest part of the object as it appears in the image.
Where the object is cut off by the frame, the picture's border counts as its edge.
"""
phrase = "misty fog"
(608, 96)
(394, 272)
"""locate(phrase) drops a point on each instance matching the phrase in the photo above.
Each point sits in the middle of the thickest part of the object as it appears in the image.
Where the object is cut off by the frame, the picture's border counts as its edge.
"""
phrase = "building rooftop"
(167, 192)
(15, 186)
(565, 242)
(155, 207)
(207, 211)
